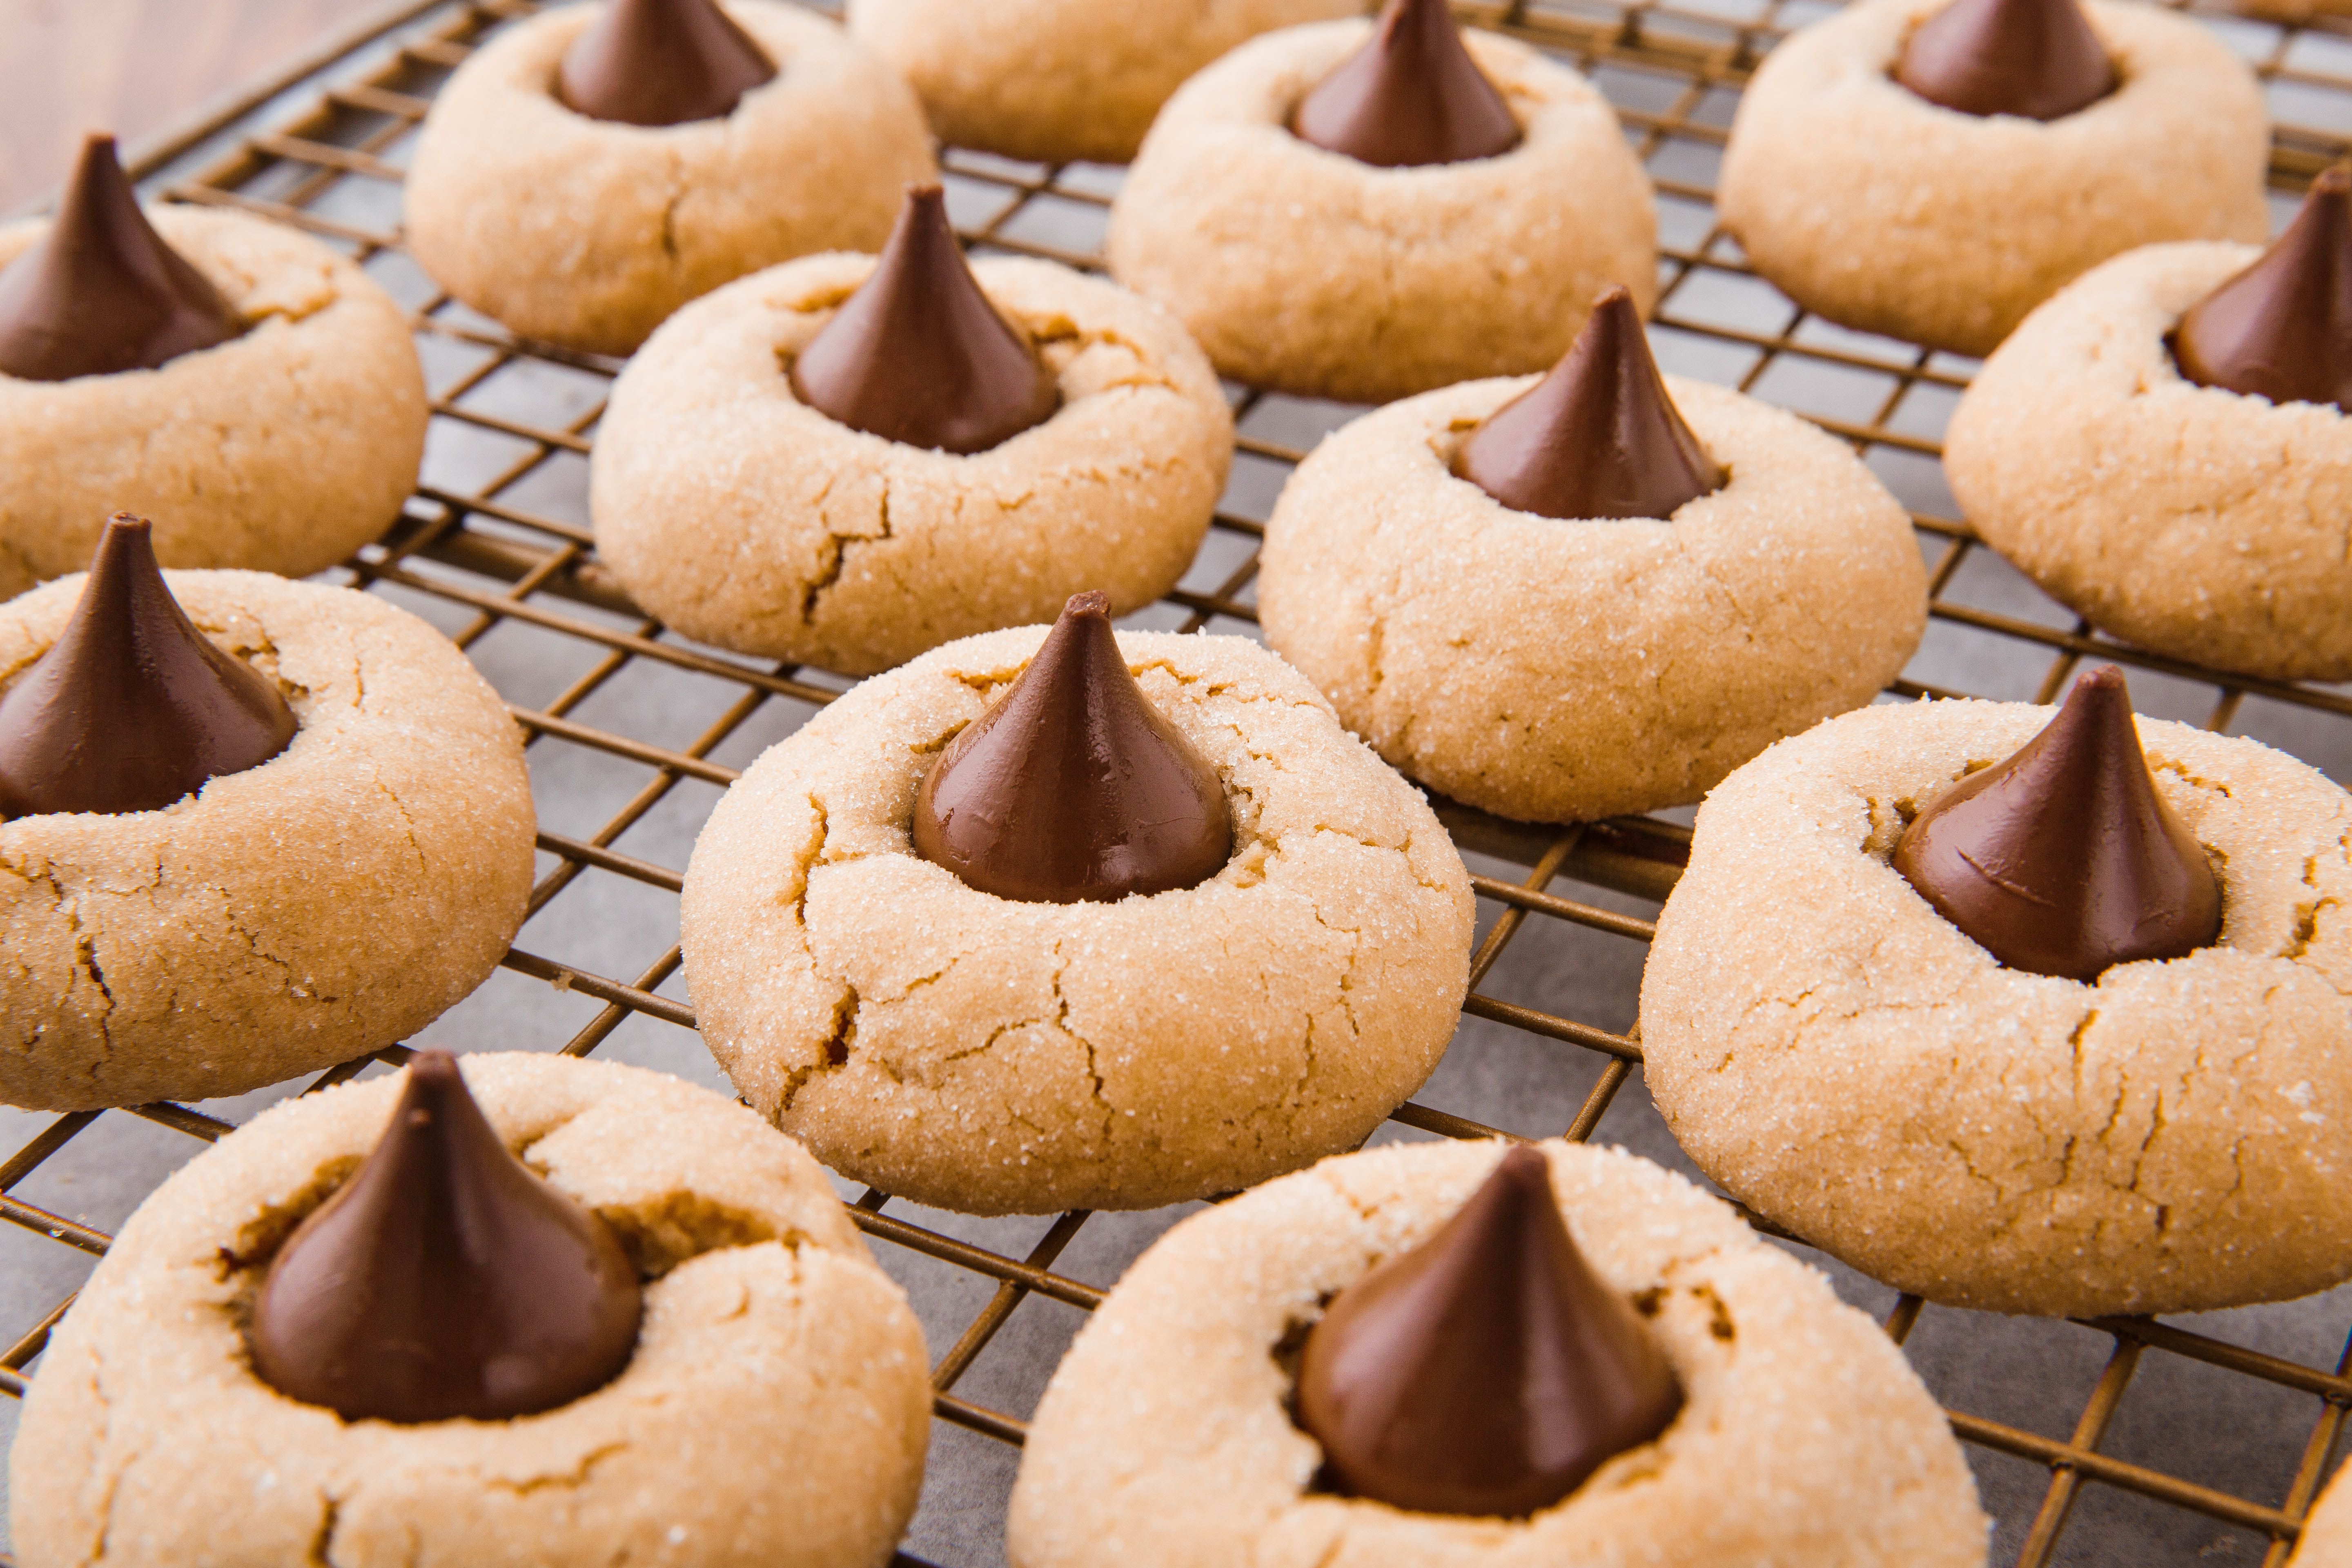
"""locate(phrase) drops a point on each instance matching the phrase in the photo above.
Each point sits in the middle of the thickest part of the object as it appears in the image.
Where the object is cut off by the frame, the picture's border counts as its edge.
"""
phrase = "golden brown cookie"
(2190, 519)
(743, 517)
(980, 1053)
(331, 902)
(284, 449)
(1805, 1439)
(1847, 1062)
(1308, 272)
(1870, 205)
(1061, 80)
(1555, 670)
(588, 231)
(776, 1409)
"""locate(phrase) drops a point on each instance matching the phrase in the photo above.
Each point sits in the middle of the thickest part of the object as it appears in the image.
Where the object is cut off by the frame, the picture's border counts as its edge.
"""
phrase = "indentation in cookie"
(444, 1280)
(660, 62)
(2281, 329)
(2037, 59)
(1072, 788)
(132, 708)
(1598, 437)
(1488, 1370)
(1411, 97)
(101, 292)
(2064, 859)
(918, 356)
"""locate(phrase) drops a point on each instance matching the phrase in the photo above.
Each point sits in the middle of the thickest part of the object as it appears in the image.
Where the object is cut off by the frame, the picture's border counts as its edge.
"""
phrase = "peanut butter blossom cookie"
(849, 460)
(594, 168)
(2057, 1024)
(1934, 169)
(248, 828)
(544, 1311)
(1592, 593)
(1058, 80)
(2164, 447)
(1367, 210)
(1454, 1354)
(1066, 919)
(252, 389)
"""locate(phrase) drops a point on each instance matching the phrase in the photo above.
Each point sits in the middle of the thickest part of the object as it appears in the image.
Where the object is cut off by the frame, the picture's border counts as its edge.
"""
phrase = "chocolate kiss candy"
(917, 354)
(444, 1280)
(1597, 437)
(2035, 58)
(132, 708)
(1073, 787)
(1487, 1371)
(660, 62)
(101, 292)
(2064, 859)
(1410, 95)
(2282, 327)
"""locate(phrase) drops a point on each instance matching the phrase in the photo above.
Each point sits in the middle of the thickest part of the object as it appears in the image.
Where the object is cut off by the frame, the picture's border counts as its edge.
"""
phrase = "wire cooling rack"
(2201, 1441)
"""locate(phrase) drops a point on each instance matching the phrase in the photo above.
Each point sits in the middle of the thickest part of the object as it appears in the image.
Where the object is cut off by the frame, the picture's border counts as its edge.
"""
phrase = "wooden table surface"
(130, 66)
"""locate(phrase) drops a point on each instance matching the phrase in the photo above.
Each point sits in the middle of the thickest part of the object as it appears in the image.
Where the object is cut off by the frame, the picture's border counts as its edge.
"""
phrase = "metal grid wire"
(488, 557)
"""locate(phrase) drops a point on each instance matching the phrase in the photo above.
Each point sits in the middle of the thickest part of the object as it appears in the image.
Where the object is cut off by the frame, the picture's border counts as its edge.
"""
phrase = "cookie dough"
(587, 233)
(1307, 272)
(2172, 1138)
(743, 517)
(776, 1409)
(1805, 1440)
(1563, 671)
(333, 901)
(2327, 1534)
(1873, 207)
(1059, 81)
(978, 1054)
(2192, 521)
(283, 450)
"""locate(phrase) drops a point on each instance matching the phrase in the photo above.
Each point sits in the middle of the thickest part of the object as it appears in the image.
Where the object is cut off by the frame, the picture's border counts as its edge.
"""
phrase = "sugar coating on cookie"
(328, 902)
(1865, 203)
(1554, 671)
(284, 449)
(743, 517)
(1164, 1435)
(1061, 80)
(775, 1408)
(588, 232)
(995, 1056)
(1840, 1057)
(2194, 520)
(1308, 272)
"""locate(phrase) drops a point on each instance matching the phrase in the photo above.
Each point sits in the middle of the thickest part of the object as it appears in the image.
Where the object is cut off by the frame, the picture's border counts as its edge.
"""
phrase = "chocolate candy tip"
(1597, 437)
(918, 356)
(1411, 97)
(2062, 859)
(1072, 788)
(655, 63)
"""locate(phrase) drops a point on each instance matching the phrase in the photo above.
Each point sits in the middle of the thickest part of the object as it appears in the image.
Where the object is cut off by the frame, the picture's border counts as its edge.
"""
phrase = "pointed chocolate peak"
(1488, 1371)
(131, 708)
(2064, 859)
(1597, 437)
(917, 354)
(2282, 327)
(660, 62)
(101, 292)
(1410, 95)
(1072, 788)
(443, 1280)
(2035, 58)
